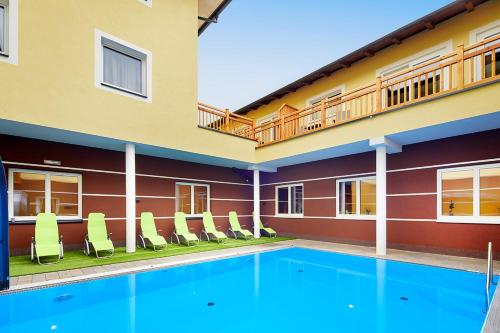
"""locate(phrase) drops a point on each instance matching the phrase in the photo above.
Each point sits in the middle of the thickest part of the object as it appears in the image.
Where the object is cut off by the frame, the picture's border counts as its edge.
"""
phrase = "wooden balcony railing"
(465, 67)
(225, 121)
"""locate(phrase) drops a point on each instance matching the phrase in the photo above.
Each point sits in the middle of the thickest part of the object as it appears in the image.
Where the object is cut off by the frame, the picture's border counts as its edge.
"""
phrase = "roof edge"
(426, 22)
(214, 16)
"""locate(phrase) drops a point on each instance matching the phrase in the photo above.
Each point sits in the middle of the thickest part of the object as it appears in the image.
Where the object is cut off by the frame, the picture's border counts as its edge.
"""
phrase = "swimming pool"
(290, 290)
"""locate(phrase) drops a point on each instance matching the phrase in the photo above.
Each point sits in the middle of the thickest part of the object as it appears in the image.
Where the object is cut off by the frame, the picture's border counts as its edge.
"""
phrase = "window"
(192, 199)
(3, 28)
(356, 198)
(406, 93)
(9, 31)
(122, 67)
(488, 31)
(290, 200)
(314, 119)
(469, 194)
(32, 192)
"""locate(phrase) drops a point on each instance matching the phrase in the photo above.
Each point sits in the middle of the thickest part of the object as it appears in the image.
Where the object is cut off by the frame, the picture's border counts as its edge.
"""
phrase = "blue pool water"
(291, 290)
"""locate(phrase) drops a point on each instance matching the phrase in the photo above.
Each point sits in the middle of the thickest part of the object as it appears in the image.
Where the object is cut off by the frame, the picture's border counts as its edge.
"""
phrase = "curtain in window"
(122, 70)
(2, 29)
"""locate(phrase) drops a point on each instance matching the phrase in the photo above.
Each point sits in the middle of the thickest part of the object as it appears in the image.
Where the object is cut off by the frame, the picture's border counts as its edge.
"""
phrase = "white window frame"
(289, 187)
(11, 55)
(475, 218)
(315, 99)
(358, 215)
(192, 185)
(47, 195)
(415, 60)
(339, 90)
(480, 34)
(102, 40)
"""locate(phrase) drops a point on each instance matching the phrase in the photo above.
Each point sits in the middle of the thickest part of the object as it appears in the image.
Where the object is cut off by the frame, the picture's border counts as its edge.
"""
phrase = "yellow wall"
(53, 85)
(364, 72)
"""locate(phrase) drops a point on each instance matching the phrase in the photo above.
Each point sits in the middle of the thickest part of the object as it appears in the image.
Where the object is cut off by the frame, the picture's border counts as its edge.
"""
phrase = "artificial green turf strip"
(22, 265)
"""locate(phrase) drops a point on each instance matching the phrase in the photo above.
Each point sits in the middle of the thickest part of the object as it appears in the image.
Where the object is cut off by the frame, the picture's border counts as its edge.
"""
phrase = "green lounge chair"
(149, 234)
(235, 228)
(265, 231)
(209, 229)
(97, 236)
(46, 242)
(181, 232)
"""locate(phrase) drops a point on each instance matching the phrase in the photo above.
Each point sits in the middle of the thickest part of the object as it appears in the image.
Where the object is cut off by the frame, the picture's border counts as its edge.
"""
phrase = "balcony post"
(378, 95)
(130, 211)
(282, 127)
(323, 113)
(460, 66)
(226, 120)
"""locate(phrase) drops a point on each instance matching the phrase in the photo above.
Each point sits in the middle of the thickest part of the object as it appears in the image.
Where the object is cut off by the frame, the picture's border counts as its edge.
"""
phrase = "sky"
(259, 46)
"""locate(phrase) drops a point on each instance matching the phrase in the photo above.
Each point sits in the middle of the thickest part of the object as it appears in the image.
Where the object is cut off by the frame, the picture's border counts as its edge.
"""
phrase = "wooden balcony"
(457, 71)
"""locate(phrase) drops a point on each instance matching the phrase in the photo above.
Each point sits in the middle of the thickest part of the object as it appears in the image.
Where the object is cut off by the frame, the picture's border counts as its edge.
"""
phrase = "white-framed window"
(315, 118)
(477, 35)
(9, 31)
(122, 67)
(192, 199)
(356, 198)
(469, 194)
(290, 200)
(410, 92)
(33, 191)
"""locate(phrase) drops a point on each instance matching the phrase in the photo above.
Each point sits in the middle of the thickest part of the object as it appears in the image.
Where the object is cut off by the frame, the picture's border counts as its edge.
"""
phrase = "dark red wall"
(105, 192)
(404, 233)
(415, 228)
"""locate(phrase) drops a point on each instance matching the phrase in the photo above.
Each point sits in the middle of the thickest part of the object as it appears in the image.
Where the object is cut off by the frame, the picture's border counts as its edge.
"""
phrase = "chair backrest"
(208, 222)
(148, 226)
(46, 230)
(96, 227)
(233, 221)
(256, 218)
(180, 223)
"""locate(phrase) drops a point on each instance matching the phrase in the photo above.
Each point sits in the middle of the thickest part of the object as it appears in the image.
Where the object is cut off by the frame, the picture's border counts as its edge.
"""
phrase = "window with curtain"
(123, 67)
(357, 197)
(290, 200)
(469, 194)
(122, 70)
(32, 192)
(192, 199)
(3, 28)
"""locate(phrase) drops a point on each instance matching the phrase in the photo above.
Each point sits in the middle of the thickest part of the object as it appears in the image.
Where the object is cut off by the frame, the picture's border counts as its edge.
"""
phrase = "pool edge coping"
(142, 269)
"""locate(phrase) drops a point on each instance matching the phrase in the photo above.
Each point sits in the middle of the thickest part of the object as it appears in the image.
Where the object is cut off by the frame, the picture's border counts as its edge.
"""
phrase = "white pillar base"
(130, 197)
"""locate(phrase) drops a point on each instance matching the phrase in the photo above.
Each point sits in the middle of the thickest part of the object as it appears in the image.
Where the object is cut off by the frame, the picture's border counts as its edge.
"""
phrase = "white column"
(130, 197)
(256, 203)
(381, 228)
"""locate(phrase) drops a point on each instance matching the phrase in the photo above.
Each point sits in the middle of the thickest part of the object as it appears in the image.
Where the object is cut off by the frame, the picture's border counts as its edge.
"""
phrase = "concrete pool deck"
(470, 264)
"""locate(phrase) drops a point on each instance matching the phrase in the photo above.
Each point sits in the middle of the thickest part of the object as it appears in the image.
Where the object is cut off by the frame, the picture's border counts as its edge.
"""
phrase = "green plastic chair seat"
(236, 227)
(209, 227)
(103, 245)
(46, 240)
(97, 233)
(182, 231)
(149, 232)
(48, 250)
